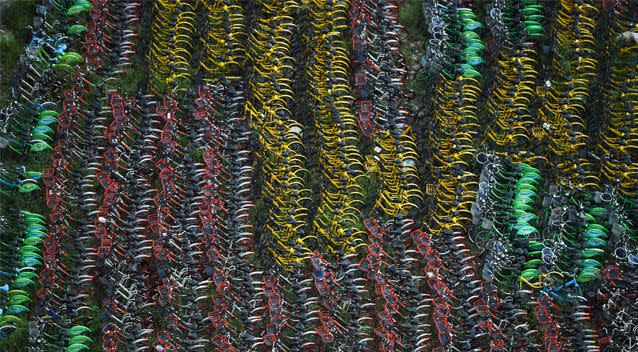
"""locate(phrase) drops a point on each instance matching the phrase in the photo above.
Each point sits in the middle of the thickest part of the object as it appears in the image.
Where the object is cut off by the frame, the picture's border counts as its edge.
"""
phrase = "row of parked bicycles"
(563, 105)
(269, 110)
(379, 75)
(336, 220)
(171, 51)
(513, 130)
(454, 132)
(615, 148)
(27, 129)
(221, 206)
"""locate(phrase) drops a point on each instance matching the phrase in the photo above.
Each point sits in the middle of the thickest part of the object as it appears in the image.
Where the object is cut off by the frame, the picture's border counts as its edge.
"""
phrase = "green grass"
(411, 16)
(15, 17)
(371, 186)
(17, 341)
(11, 50)
(134, 76)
